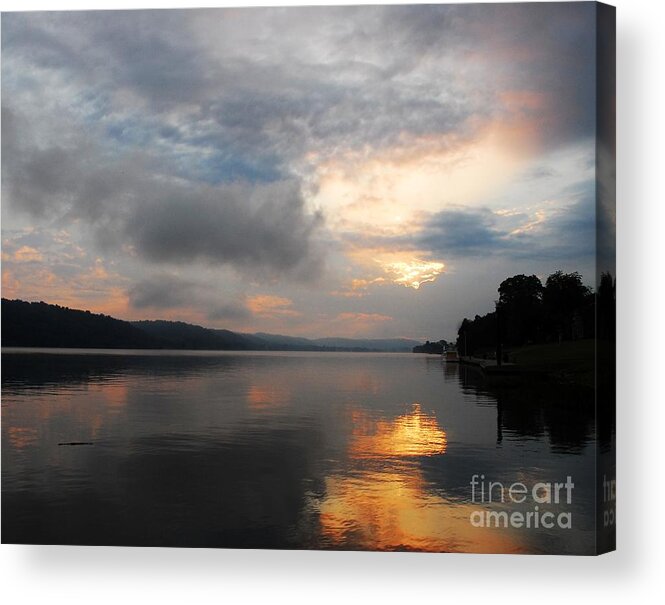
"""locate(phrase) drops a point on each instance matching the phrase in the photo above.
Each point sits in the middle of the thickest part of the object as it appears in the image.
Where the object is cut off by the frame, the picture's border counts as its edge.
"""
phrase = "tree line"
(528, 312)
(433, 348)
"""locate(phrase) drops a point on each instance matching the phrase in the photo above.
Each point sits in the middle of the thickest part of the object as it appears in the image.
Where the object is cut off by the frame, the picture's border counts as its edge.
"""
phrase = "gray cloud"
(254, 226)
(568, 233)
(540, 172)
(246, 94)
(572, 231)
(130, 201)
(233, 311)
(464, 232)
(165, 291)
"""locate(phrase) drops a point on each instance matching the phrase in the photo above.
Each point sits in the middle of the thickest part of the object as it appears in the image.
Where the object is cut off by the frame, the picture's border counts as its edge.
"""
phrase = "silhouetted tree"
(434, 348)
(521, 304)
(606, 301)
(606, 357)
(564, 297)
(561, 310)
(477, 336)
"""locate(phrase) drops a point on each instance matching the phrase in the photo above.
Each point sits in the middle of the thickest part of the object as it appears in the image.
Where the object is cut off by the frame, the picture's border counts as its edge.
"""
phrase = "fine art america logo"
(536, 499)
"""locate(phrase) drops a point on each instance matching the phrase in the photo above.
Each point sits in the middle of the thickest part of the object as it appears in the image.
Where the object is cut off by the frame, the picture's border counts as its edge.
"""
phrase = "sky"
(352, 171)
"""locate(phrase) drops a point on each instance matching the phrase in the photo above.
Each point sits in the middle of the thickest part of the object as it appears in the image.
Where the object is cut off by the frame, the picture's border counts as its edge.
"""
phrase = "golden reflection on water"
(385, 502)
(28, 425)
(21, 437)
(260, 398)
(413, 434)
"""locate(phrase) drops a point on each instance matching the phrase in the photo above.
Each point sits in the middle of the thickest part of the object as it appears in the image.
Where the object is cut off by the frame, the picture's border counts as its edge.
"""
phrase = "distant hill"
(295, 343)
(38, 324)
(26, 324)
(372, 344)
(180, 335)
(333, 344)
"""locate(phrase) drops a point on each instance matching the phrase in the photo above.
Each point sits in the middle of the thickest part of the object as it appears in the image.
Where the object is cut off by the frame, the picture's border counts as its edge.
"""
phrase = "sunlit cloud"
(363, 317)
(55, 271)
(91, 289)
(538, 219)
(389, 191)
(348, 324)
(28, 254)
(395, 268)
(413, 273)
(269, 306)
(359, 287)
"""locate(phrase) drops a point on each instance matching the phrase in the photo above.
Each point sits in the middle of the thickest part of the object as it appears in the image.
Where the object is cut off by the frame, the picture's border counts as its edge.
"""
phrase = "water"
(281, 450)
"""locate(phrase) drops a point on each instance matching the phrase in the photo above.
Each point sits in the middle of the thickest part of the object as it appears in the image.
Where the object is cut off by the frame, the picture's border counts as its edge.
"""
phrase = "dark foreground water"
(285, 450)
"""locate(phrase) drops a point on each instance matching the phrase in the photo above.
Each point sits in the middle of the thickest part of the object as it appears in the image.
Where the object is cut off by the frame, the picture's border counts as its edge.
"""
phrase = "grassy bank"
(569, 362)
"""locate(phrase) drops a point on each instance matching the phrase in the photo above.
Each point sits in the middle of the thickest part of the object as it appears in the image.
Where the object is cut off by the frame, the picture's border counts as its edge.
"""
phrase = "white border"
(53, 575)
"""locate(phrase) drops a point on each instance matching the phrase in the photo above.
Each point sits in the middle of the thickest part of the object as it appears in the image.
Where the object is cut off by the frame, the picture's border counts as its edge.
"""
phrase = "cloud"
(363, 317)
(263, 96)
(401, 269)
(351, 324)
(565, 231)
(540, 172)
(414, 272)
(571, 232)
(271, 307)
(166, 293)
(163, 292)
(464, 232)
(231, 94)
(255, 226)
(129, 201)
(232, 311)
(52, 269)
(28, 254)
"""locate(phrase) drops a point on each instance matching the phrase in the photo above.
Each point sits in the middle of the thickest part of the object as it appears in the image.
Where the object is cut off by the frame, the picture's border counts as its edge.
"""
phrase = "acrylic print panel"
(310, 278)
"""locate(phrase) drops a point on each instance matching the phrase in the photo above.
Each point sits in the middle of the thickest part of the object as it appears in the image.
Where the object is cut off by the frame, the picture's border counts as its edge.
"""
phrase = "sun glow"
(383, 268)
(413, 273)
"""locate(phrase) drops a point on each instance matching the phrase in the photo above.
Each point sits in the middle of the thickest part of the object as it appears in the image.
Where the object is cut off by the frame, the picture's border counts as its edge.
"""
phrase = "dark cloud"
(464, 232)
(567, 233)
(545, 48)
(148, 52)
(260, 226)
(572, 231)
(165, 291)
(129, 201)
(233, 311)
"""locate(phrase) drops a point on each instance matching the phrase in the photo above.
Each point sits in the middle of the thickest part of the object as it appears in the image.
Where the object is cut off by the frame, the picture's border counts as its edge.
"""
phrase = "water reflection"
(564, 414)
(383, 501)
(277, 450)
(381, 510)
(411, 434)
